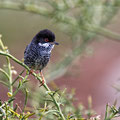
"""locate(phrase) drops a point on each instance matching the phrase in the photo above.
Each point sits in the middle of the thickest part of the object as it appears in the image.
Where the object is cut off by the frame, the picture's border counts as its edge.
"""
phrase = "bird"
(37, 53)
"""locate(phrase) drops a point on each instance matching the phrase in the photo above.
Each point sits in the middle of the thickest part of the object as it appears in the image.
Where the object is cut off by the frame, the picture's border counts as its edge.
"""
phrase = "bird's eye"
(46, 40)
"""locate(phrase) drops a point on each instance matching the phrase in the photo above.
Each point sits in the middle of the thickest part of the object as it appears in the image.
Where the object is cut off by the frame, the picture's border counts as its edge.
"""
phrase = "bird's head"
(45, 38)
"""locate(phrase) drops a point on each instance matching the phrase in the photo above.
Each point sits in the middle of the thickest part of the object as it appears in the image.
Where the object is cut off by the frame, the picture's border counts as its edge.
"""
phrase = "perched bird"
(37, 53)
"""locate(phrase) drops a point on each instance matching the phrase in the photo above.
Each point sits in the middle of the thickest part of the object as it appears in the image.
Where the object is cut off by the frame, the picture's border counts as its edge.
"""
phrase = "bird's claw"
(42, 83)
(31, 72)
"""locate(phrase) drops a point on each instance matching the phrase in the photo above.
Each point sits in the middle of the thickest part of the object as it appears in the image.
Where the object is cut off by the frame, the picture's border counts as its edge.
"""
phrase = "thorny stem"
(9, 75)
(106, 112)
(26, 98)
(10, 78)
(36, 76)
(6, 74)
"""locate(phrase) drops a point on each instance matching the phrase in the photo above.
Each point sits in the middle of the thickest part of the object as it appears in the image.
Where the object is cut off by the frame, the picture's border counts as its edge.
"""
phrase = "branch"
(26, 7)
(5, 73)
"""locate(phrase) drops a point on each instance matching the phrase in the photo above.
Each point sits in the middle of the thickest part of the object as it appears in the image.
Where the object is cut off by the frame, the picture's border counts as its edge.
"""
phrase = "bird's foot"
(31, 72)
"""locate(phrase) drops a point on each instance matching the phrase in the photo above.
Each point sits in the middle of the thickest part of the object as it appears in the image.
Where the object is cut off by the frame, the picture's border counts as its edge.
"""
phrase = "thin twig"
(26, 98)
(17, 77)
(5, 73)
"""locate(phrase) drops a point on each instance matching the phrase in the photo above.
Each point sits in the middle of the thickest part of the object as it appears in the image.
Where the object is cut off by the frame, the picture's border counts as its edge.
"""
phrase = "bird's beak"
(55, 43)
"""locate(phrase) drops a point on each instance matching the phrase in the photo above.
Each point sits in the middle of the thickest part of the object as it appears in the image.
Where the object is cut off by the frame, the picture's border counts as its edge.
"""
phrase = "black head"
(45, 36)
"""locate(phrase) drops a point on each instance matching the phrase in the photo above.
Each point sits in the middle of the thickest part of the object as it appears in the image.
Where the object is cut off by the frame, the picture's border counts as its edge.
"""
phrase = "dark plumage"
(37, 53)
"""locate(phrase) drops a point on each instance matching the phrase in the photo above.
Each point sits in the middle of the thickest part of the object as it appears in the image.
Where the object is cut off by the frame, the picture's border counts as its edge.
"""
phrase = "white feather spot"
(44, 44)
(39, 44)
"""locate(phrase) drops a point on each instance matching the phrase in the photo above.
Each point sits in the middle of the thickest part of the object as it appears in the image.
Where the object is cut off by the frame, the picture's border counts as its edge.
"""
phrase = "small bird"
(37, 53)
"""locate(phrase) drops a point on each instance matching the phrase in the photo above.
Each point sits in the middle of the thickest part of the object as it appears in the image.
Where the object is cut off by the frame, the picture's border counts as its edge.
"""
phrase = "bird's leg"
(31, 71)
(43, 79)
